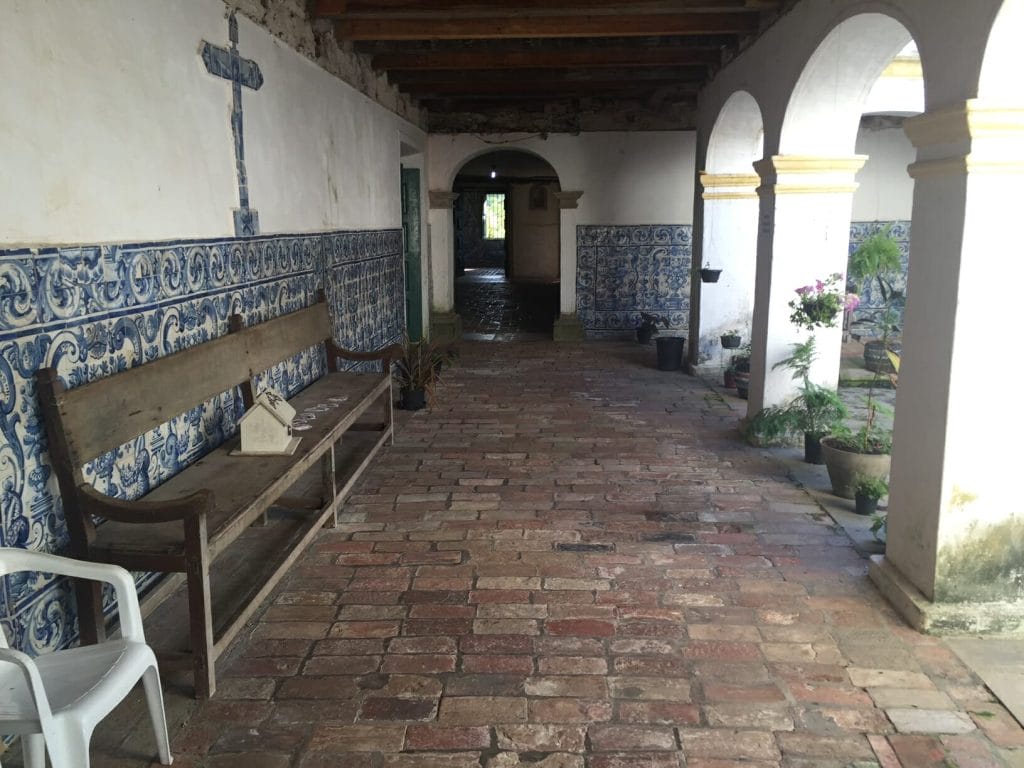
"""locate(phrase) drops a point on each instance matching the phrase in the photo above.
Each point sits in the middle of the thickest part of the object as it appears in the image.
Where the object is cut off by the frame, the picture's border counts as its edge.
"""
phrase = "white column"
(956, 517)
(729, 243)
(568, 202)
(803, 236)
(442, 250)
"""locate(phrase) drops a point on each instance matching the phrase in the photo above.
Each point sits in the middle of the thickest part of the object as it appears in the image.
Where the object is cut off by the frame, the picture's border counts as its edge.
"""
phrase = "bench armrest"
(385, 354)
(187, 507)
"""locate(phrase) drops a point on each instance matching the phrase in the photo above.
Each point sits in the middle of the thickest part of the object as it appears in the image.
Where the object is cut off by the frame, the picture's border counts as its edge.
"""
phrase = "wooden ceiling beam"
(337, 9)
(643, 25)
(603, 58)
(527, 90)
(481, 80)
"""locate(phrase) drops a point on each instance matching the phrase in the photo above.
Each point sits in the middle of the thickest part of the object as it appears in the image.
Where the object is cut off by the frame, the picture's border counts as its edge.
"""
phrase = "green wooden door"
(411, 236)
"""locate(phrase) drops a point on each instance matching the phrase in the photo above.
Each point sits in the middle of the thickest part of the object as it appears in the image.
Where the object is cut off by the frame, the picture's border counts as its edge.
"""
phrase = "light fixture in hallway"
(494, 172)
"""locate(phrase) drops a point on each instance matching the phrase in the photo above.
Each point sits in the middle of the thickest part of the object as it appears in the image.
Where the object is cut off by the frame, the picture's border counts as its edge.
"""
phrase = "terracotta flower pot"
(845, 466)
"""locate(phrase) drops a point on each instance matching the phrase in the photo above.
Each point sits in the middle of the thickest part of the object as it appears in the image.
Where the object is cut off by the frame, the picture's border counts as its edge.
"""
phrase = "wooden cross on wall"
(227, 63)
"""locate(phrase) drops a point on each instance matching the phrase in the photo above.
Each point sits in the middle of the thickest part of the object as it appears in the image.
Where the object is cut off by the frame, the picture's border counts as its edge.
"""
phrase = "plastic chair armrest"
(124, 585)
(31, 673)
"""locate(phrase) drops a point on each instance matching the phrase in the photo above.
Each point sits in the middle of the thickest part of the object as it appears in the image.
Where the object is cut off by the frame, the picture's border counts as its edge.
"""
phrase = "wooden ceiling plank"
(477, 79)
(526, 90)
(437, 28)
(593, 58)
(339, 8)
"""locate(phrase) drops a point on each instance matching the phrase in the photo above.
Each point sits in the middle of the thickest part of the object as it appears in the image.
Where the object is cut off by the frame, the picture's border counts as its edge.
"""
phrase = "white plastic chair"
(55, 701)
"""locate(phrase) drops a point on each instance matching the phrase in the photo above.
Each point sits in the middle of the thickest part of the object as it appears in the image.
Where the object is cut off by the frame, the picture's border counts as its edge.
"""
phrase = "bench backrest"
(90, 420)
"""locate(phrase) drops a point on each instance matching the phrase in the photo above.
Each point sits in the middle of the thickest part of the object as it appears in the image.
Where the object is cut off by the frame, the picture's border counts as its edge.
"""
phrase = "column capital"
(809, 174)
(442, 198)
(568, 199)
(972, 137)
(729, 186)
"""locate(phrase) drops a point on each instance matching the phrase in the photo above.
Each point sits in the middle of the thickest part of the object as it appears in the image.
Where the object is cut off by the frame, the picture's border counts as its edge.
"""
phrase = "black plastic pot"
(709, 275)
(644, 334)
(413, 399)
(670, 352)
(730, 341)
(864, 505)
(812, 449)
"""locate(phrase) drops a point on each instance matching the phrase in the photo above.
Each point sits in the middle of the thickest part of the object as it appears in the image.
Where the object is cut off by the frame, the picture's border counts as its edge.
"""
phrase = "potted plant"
(867, 491)
(418, 370)
(648, 326)
(670, 352)
(731, 339)
(741, 372)
(864, 453)
(729, 377)
(819, 305)
(709, 275)
(877, 260)
(815, 412)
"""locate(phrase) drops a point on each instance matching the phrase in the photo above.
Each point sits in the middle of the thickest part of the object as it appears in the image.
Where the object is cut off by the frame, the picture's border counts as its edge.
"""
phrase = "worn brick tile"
(341, 665)
(728, 743)
(498, 664)
(580, 627)
(658, 713)
(580, 687)
(649, 688)
(540, 738)
(607, 738)
(442, 739)
(562, 710)
(418, 663)
(365, 629)
(482, 710)
(636, 760)
(357, 738)
(398, 709)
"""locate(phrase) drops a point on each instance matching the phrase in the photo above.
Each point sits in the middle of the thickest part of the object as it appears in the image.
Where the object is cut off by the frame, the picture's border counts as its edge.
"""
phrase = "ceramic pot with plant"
(867, 491)
(731, 340)
(821, 303)
(647, 328)
(741, 372)
(418, 371)
(815, 412)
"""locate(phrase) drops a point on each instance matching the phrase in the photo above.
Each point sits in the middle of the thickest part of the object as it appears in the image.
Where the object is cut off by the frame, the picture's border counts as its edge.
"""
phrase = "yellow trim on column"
(811, 189)
(963, 166)
(741, 186)
(962, 122)
(813, 164)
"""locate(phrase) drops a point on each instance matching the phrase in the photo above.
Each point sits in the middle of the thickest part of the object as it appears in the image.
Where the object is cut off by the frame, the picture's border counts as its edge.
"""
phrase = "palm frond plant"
(418, 371)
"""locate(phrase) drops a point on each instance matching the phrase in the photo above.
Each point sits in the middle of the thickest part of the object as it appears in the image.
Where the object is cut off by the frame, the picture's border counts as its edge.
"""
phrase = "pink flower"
(852, 302)
(805, 290)
(819, 286)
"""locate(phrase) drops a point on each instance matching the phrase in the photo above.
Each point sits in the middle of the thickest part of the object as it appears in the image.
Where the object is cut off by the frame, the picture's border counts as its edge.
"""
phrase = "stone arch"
(1004, 57)
(737, 138)
(468, 157)
(729, 229)
(824, 107)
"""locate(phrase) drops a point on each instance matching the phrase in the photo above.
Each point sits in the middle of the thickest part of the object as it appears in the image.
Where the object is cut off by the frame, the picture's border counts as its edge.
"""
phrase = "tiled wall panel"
(93, 310)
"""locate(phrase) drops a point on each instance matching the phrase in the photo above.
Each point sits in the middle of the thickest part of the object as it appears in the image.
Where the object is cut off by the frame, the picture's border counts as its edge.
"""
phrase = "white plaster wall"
(626, 178)
(886, 191)
(535, 239)
(112, 129)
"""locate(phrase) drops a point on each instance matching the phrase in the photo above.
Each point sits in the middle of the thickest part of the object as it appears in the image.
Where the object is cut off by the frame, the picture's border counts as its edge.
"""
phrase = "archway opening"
(729, 233)
(507, 246)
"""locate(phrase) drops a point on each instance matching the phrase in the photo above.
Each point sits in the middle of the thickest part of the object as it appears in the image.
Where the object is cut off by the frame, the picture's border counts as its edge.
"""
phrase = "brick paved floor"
(573, 563)
(493, 307)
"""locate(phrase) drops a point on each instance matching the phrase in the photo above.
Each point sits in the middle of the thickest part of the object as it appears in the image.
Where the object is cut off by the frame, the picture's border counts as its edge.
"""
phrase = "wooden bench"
(186, 523)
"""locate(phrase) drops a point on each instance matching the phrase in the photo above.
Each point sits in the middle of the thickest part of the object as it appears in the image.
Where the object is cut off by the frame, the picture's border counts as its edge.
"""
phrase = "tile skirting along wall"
(91, 311)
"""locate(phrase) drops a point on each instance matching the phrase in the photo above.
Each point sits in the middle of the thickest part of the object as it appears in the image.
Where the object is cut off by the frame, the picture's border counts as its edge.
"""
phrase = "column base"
(568, 328)
(445, 327)
(944, 618)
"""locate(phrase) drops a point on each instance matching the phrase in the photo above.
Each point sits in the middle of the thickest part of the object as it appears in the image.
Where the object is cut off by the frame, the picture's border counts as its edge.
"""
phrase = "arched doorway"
(507, 246)
(729, 232)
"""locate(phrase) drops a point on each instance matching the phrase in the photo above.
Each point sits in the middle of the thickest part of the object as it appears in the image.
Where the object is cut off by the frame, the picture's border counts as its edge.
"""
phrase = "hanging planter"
(708, 275)
(731, 340)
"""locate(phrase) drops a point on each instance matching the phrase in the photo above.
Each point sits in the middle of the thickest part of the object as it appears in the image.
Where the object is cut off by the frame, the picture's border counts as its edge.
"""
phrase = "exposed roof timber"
(436, 28)
(553, 59)
(521, 90)
(472, 78)
(340, 8)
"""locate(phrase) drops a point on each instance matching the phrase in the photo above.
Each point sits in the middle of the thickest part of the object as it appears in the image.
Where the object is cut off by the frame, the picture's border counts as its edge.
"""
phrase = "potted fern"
(418, 371)
(867, 492)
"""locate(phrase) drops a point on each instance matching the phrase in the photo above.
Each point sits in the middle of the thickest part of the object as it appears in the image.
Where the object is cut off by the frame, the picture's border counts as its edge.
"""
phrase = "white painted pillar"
(568, 326)
(444, 323)
(803, 236)
(729, 243)
(956, 512)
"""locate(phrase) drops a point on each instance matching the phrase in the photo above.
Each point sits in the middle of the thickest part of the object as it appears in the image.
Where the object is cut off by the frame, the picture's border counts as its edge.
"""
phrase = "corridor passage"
(572, 562)
(494, 308)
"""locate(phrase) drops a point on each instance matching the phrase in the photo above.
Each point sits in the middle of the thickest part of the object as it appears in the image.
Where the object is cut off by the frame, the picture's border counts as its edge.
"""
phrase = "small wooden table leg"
(200, 612)
(330, 484)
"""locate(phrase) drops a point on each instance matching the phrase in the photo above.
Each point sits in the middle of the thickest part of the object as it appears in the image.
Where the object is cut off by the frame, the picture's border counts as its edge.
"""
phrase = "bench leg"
(330, 485)
(89, 597)
(200, 613)
(391, 412)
